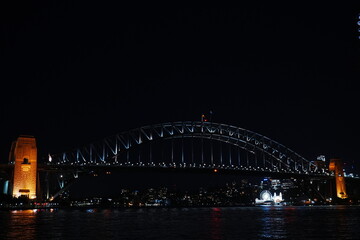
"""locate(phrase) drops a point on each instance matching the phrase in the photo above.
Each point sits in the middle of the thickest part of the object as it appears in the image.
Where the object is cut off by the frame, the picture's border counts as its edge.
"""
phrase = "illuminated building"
(24, 154)
(337, 166)
(268, 199)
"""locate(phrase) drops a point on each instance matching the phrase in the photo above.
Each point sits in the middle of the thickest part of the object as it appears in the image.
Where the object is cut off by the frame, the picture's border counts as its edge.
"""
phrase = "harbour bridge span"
(204, 148)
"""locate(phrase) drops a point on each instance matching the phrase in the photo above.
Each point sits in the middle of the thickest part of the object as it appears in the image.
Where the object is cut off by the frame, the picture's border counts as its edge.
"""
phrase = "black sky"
(72, 73)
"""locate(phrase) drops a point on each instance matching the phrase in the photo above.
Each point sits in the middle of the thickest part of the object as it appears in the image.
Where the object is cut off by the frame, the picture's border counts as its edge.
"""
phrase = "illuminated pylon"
(24, 154)
(337, 166)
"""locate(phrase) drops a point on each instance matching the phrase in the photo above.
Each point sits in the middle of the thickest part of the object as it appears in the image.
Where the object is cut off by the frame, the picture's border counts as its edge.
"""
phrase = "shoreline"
(162, 207)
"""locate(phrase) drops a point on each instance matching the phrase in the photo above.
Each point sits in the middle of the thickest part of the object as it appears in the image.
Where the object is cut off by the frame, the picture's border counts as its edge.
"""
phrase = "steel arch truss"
(274, 156)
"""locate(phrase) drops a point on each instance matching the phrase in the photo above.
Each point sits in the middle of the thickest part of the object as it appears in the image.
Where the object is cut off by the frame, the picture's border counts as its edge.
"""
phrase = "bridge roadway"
(6, 169)
(214, 170)
(66, 175)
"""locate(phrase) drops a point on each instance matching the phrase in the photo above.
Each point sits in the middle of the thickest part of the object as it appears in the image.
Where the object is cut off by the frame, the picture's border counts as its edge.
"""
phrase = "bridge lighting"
(189, 128)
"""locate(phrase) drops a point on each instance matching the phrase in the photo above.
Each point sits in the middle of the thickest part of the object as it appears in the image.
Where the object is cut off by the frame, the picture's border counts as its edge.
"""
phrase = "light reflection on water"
(321, 222)
(273, 225)
(216, 224)
(23, 225)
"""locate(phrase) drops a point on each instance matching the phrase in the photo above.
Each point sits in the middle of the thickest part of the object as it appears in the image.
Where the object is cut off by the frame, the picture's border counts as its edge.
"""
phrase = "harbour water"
(261, 222)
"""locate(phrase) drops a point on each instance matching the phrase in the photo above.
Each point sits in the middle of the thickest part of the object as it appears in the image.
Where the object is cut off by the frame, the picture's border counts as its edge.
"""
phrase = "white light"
(265, 195)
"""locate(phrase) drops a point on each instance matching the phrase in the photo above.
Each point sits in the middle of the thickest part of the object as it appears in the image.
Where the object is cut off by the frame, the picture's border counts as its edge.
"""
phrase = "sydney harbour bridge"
(246, 150)
(195, 145)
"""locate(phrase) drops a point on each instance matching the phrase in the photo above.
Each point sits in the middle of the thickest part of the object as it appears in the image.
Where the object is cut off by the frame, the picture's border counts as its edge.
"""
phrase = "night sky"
(72, 73)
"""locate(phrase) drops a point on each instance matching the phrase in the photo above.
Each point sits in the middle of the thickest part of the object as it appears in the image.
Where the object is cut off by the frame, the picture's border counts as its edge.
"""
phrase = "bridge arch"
(276, 156)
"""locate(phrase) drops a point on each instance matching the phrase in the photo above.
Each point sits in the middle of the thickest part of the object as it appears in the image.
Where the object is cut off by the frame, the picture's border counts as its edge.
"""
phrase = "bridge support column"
(25, 171)
(336, 165)
(47, 185)
(211, 153)
(61, 181)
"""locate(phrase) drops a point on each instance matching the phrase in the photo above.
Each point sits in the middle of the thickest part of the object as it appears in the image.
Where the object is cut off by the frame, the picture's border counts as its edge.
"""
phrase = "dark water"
(318, 222)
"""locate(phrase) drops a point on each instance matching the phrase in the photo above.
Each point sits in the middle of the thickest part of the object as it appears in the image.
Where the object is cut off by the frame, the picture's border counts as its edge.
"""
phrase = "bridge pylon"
(24, 155)
(336, 165)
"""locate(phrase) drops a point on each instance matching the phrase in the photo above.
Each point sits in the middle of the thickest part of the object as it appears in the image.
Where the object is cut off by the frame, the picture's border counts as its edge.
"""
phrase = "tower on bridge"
(24, 154)
(336, 165)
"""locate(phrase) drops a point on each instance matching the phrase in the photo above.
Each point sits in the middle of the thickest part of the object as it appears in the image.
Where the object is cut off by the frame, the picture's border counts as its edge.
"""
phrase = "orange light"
(25, 169)
(215, 170)
(336, 165)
